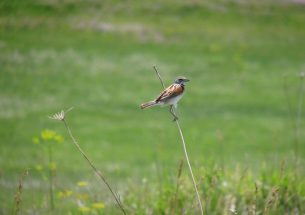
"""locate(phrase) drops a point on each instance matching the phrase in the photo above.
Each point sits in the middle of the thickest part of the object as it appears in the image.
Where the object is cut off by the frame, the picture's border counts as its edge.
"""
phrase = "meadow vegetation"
(242, 114)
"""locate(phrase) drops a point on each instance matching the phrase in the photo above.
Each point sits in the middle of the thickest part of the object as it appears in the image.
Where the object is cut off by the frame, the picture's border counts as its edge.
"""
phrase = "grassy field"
(241, 116)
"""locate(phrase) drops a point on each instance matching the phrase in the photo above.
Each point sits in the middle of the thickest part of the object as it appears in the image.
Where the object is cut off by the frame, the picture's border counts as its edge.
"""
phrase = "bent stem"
(98, 173)
(185, 151)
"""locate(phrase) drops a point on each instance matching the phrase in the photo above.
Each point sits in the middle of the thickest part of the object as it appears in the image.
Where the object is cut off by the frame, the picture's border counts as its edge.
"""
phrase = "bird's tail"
(148, 104)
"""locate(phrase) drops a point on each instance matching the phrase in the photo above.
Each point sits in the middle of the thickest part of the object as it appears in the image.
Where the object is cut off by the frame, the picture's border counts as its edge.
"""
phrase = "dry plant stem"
(255, 197)
(190, 167)
(293, 124)
(98, 173)
(51, 178)
(173, 209)
(160, 79)
(295, 119)
(19, 192)
(185, 151)
(298, 116)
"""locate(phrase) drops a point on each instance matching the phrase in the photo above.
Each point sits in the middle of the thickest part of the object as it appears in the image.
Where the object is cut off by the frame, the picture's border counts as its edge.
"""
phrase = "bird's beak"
(186, 80)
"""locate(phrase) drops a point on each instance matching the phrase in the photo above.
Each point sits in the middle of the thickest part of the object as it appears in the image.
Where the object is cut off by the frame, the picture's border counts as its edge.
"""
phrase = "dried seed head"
(60, 115)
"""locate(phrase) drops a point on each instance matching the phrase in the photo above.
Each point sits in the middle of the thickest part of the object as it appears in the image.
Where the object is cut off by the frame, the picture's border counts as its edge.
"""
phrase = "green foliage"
(46, 140)
(97, 56)
(226, 191)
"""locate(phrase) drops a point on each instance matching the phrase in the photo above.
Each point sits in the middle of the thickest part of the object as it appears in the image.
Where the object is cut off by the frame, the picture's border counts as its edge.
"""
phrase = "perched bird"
(170, 96)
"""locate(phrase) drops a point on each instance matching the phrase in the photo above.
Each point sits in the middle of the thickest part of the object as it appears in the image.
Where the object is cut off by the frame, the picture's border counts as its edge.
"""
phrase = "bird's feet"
(175, 118)
(173, 113)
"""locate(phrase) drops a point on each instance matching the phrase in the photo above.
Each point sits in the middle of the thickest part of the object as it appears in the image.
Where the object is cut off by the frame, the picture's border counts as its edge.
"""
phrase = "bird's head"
(181, 80)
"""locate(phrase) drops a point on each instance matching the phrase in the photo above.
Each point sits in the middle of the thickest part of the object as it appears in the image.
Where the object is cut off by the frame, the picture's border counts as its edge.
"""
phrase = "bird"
(170, 96)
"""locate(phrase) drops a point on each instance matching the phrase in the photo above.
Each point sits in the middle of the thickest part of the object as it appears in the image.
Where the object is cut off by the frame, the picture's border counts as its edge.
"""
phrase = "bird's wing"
(172, 91)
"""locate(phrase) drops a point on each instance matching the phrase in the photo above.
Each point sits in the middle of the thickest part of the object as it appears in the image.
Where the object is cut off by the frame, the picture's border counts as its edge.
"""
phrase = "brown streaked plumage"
(172, 91)
(170, 96)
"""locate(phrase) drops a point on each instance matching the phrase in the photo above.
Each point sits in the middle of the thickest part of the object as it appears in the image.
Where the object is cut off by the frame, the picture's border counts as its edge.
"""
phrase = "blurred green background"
(244, 60)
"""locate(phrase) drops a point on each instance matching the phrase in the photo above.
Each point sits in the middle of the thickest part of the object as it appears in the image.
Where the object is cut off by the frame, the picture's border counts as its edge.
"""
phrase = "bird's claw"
(175, 119)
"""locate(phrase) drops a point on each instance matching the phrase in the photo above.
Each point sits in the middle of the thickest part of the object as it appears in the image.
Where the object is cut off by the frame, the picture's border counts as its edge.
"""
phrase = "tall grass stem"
(51, 179)
(299, 114)
(98, 173)
(17, 199)
(295, 118)
(185, 150)
(174, 204)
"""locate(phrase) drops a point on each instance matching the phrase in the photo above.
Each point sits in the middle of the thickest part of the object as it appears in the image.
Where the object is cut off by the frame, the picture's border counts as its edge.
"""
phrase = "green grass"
(98, 58)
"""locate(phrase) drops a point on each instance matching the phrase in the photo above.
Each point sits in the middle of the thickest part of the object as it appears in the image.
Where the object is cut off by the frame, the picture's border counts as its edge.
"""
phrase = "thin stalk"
(174, 205)
(190, 167)
(17, 199)
(51, 177)
(298, 116)
(185, 151)
(295, 118)
(160, 79)
(98, 173)
(255, 197)
(221, 147)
